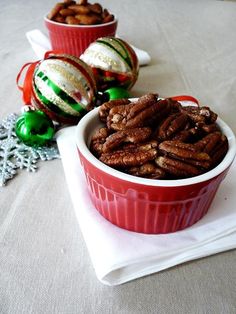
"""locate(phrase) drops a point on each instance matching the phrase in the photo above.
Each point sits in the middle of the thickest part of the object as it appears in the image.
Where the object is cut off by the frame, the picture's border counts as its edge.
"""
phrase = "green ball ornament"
(34, 128)
(117, 93)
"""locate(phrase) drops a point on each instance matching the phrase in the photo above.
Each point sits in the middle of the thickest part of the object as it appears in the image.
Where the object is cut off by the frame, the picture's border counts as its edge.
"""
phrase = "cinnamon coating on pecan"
(135, 135)
(147, 170)
(106, 107)
(177, 168)
(97, 141)
(184, 151)
(202, 115)
(143, 112)
(215, 144)
(172, 125)
(129, 157)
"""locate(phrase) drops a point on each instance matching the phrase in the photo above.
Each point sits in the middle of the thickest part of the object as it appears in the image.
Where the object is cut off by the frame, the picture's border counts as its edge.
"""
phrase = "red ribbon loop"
(26, 88)
(185, 98)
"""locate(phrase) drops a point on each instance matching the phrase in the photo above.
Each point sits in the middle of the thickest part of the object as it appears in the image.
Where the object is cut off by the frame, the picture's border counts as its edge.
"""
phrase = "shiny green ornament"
(34, 128)
(117, 93)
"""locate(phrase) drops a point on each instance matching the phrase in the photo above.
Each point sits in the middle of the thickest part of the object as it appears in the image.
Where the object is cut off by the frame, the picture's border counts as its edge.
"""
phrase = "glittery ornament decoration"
(113, 61)
(63, 87)
(15, 155)
(34, 128)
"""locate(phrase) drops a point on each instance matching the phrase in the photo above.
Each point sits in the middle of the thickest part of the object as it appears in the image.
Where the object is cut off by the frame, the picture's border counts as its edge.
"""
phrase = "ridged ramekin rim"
(80, 26)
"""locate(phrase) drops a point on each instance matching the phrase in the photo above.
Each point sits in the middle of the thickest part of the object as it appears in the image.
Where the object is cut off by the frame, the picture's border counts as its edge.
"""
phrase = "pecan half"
(149, 115)
(186, 152)
(134, 156)
(210, 128)
(190, 135)
(177, 168)
(97, 141)
(117, 116)
(147, 170)
(215, 144)
(172, 125)
(202, 115)
(106, 107)
(143, 112)
(183, 150)
(135, 135)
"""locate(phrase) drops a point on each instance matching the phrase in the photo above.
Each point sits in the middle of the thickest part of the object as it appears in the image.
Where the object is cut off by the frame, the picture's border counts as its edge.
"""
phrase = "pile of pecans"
(158, 138)
(81, 13)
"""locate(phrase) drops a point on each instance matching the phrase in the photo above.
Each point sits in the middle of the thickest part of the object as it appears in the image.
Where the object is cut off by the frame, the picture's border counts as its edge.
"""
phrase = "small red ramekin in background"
(74, 39)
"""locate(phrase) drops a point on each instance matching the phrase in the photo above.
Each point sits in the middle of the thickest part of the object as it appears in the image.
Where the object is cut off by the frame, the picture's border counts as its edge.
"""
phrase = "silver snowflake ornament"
(16, 155)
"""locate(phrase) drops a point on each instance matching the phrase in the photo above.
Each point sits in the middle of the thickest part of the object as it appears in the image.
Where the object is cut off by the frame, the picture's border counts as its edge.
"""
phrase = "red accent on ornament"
(109, 74)
(77, 96)
(122, 77)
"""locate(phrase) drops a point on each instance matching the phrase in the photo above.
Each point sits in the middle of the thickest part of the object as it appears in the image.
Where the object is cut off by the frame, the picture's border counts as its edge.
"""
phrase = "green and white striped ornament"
(113, 61)
(63, 87)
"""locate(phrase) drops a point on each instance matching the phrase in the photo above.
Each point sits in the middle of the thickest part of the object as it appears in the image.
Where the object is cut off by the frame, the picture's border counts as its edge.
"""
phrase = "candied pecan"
(209, 141)
(220, 151)
(186, 152)
(117, 116)
(183, 150)
(141, 146)
(215, 144)
(177, 168)
(135, 135)
(202, 115)
(149, 115)
(148, 145)
(190, 135)
(135, 156)
(141, 104)
(98, 139)
(172, 125)
(105, 107)
(210, 128)
(147, 170)
(143, 112)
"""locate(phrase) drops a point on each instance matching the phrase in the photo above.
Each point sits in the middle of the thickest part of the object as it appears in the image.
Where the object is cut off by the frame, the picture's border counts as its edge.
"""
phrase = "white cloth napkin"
(40, 44)
(119, 256)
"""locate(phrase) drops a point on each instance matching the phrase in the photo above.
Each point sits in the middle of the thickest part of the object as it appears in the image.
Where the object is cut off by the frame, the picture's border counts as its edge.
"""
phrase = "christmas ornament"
(60, 85)
(15, 155)
(116, 93)
(63, 87)
(113, 61)
(34, 128)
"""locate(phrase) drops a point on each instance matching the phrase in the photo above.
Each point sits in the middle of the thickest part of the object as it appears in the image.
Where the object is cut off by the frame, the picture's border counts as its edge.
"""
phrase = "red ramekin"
(74, 39)
(146, 205)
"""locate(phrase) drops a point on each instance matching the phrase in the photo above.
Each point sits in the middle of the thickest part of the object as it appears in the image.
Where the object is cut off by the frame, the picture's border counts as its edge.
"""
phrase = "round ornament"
(116, 93)
(34, 128)
(113, 61)
(64, 87)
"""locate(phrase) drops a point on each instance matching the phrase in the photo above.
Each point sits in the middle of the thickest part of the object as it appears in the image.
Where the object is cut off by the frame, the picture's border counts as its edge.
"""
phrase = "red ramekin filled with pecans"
(154, 165)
